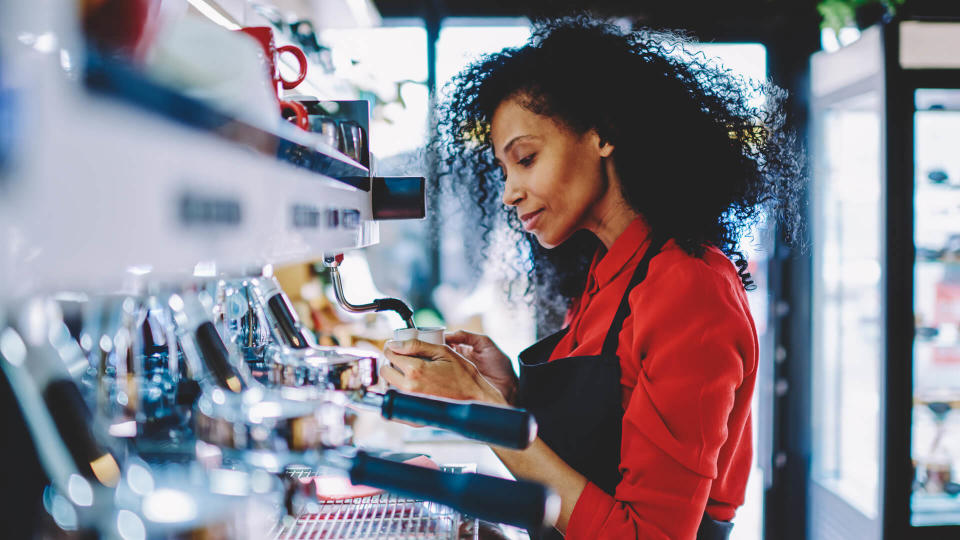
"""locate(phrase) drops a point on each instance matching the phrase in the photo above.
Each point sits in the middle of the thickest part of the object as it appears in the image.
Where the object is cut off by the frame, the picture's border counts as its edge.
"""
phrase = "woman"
(635, 169)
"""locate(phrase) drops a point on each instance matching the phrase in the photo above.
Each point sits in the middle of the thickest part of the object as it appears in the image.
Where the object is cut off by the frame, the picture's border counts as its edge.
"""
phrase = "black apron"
(577, 404)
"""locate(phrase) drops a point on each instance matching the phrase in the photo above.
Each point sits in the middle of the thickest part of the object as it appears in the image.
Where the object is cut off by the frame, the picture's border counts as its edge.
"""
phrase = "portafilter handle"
(519, 503)
(279, 314)
(34, 354)
(502, 426)
(203, 348)
(332, 261)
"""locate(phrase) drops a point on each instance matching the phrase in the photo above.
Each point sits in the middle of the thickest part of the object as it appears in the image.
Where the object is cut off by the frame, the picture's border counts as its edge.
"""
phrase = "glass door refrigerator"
(885, 223)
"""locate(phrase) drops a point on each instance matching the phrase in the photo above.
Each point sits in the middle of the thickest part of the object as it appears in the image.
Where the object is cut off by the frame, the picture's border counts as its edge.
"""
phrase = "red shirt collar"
(607, 265)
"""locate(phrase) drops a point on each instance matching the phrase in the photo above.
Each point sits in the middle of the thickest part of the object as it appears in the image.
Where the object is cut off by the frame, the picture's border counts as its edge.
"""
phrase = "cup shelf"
(114, 178)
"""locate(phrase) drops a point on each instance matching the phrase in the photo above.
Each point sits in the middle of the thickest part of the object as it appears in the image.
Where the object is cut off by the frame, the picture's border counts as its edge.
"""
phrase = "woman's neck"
(612, 214)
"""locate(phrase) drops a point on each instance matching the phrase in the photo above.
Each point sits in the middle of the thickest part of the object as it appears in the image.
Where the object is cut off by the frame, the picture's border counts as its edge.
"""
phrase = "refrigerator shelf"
(934, 509)
(939, 261)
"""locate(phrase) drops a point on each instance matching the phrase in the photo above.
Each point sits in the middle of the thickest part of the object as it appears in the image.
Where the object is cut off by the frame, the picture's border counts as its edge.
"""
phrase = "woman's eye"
(527, 160)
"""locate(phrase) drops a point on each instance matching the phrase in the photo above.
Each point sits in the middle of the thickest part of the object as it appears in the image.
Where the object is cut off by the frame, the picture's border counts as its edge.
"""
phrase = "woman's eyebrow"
(514, 140)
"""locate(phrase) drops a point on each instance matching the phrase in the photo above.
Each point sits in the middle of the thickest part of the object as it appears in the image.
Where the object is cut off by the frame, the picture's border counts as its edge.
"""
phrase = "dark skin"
(560, 182)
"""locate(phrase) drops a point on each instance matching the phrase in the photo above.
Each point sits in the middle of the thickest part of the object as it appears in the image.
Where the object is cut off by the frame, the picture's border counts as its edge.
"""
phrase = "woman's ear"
(606, 148)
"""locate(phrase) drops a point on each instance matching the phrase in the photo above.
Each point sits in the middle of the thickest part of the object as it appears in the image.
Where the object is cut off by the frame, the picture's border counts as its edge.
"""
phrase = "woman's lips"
(530, 220)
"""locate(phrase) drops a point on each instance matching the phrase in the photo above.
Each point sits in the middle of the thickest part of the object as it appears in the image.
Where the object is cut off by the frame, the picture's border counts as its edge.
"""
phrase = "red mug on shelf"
(271, 55)
(300, 116)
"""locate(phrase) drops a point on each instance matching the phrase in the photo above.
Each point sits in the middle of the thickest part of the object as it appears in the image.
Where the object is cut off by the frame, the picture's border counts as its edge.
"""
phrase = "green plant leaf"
(836, 13)
(840, 13)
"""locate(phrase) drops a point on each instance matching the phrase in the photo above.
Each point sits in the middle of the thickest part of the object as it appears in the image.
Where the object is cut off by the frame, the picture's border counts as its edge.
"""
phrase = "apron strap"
(612, 341)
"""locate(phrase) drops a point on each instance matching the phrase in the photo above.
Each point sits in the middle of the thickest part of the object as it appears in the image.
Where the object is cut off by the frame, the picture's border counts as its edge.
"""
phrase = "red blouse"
(688, 359)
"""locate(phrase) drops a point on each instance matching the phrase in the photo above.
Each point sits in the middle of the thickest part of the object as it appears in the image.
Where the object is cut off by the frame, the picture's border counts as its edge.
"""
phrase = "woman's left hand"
(438, 370)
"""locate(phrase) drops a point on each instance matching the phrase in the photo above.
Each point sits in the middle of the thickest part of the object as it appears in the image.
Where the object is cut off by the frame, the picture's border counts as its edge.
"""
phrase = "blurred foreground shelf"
(116, 177)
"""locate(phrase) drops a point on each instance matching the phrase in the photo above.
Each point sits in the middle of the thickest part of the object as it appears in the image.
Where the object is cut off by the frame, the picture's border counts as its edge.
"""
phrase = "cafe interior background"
(151, 175)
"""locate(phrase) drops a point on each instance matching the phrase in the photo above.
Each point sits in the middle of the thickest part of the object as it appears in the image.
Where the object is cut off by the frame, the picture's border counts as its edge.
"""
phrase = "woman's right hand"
(489, 359)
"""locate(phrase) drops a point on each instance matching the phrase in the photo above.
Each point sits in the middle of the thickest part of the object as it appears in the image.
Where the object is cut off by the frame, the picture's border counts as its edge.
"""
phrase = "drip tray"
(382, 516)
(379, 516)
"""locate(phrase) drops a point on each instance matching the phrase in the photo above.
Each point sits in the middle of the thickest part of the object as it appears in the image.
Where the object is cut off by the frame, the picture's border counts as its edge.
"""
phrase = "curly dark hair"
(698, 159)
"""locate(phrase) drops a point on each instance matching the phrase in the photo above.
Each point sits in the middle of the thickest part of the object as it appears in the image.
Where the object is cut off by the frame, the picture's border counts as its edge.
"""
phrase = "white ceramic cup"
(427, 334)
(431, 334)
(403, 334)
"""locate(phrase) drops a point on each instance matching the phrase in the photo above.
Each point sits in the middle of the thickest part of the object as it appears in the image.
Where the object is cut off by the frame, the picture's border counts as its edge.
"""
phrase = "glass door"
(935, 437)
(848, 346)
(848, 225)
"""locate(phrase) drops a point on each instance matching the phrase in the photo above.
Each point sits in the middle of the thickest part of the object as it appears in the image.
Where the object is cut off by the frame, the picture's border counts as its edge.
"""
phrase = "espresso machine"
(166, 385)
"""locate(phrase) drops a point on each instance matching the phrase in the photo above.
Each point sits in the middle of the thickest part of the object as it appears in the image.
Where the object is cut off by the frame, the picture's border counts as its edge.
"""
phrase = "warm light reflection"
(106, 470)
(233, 383)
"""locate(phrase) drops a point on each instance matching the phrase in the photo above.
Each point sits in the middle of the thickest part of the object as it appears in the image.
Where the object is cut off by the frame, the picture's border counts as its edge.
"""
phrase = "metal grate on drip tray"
(383, 516)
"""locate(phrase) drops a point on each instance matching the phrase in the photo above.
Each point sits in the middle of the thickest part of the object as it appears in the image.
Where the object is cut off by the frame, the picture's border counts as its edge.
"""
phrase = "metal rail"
(381, 516)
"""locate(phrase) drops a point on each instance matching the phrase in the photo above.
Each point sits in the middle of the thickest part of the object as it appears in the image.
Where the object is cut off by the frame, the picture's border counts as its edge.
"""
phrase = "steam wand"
(332, 261)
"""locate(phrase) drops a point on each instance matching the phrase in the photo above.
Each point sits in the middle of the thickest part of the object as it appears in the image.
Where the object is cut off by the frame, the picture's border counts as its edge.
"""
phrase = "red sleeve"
(693, 334)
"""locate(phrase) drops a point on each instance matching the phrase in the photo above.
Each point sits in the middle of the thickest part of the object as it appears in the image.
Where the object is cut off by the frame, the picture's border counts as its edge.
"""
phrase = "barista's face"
(554, 177)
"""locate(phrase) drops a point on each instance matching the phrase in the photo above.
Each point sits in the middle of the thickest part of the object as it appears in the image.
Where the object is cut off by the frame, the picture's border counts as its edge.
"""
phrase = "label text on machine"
(205, 210)
(305, 216)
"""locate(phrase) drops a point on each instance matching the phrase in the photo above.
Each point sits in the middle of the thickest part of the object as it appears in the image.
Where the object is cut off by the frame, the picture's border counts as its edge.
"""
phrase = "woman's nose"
(512, 194)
